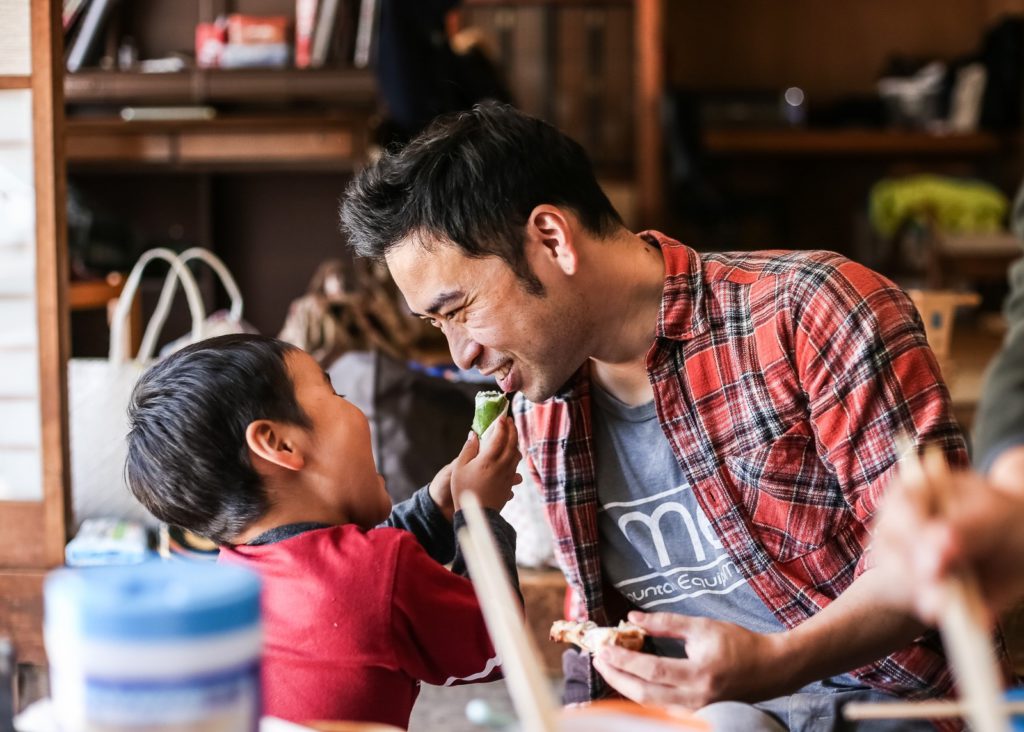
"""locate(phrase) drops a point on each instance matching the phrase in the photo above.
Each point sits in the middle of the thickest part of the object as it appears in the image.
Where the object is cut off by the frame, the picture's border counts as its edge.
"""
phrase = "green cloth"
(958, 206)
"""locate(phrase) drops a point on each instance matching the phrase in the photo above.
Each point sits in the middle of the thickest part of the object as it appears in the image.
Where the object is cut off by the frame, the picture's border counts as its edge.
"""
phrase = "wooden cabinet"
(595, 69)
(33, 526)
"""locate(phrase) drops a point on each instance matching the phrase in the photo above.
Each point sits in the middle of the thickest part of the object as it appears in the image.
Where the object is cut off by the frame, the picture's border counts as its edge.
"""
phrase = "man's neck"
(634, 276)
(627, 382)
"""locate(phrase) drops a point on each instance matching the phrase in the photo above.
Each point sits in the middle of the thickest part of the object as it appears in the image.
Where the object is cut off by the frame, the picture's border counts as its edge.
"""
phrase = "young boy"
(243, 440)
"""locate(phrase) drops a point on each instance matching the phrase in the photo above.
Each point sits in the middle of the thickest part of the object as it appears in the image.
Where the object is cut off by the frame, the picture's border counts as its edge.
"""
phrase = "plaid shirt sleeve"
(869, 375)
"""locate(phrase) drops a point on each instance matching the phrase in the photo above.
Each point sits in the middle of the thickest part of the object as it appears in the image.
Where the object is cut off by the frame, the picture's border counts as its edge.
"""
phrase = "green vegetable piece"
(489, 406)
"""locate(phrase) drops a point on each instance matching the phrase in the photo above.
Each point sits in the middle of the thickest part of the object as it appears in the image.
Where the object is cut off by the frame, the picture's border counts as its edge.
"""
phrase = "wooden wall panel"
(21, 614)
(827, 48)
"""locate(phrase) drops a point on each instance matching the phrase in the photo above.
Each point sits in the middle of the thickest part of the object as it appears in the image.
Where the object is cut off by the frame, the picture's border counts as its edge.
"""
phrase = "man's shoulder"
(796, 277)
(748, 267)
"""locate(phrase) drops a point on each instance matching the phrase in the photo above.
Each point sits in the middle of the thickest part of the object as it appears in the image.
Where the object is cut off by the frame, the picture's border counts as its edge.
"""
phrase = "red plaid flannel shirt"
(780, 379)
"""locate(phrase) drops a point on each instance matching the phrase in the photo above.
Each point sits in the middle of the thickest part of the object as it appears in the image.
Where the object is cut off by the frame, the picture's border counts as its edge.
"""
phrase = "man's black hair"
(188, 461)
(472, 178)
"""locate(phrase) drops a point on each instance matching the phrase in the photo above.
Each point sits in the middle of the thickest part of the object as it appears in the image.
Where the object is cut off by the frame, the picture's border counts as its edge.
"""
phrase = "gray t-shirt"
(657, 546)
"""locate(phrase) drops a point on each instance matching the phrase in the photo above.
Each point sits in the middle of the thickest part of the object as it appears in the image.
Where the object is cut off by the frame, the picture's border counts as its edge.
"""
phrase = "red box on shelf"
(255, 29)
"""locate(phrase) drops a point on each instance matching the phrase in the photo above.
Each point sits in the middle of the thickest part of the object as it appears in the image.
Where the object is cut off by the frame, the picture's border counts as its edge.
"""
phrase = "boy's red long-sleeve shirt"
(354, 620)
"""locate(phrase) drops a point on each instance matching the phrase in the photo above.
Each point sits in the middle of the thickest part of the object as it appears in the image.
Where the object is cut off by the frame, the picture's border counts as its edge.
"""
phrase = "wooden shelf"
(94, 294)
(15, 82)
(352, 88)
(334, 142)
(796, 143)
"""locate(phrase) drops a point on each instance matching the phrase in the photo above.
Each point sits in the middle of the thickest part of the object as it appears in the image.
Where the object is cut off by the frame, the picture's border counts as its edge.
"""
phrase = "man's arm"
(727, 662)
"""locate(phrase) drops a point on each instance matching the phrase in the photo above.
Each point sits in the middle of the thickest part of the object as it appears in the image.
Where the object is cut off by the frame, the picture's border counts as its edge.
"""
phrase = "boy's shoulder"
(325, 545)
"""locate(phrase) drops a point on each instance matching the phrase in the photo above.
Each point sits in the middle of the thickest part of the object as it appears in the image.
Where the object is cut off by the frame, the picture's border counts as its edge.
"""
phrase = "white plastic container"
(160, 647)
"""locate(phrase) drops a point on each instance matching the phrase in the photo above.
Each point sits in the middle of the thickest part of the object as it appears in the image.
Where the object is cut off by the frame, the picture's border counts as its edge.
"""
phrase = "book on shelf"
(71, 12)
(87, 41)
(305, 23)
(326, 27)
(366, 33)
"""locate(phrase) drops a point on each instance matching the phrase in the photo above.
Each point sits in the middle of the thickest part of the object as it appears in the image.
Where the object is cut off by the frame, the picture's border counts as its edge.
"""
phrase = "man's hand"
(724, 661)
(981, 530)
(488, 470)
(441, 491)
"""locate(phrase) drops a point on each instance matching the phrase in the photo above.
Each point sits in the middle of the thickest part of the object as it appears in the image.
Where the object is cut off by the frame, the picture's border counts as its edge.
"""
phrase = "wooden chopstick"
(963, 619)
(861, 711)
(530, 690)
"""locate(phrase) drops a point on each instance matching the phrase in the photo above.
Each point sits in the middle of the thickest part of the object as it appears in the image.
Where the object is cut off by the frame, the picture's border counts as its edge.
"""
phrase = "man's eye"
(434, 322)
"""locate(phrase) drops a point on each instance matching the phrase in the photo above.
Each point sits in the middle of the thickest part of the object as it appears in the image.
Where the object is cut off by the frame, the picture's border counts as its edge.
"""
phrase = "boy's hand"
(441, 491)
(489, 470)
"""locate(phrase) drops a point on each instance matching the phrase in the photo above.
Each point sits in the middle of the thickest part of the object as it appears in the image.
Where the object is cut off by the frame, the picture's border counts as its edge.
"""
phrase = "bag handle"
(131, 287)
(163, 305)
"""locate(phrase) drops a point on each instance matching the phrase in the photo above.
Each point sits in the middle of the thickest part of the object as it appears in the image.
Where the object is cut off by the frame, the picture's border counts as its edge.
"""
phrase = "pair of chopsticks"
(963, 619)
(520, 662)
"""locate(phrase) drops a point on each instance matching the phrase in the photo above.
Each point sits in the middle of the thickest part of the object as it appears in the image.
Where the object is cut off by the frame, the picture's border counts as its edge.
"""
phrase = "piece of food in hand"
(590, 636)
(489, 406)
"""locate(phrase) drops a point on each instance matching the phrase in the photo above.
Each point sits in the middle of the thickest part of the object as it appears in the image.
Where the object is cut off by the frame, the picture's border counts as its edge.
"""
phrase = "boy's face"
(338, 455)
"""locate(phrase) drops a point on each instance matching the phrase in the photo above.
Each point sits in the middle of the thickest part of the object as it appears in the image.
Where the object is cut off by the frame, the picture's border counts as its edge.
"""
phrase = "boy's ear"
(275, 443)
(550, 230)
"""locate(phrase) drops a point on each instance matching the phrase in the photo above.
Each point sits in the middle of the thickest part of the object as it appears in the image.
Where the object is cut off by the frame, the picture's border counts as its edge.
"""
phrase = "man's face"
(530, 343)
(338, 451)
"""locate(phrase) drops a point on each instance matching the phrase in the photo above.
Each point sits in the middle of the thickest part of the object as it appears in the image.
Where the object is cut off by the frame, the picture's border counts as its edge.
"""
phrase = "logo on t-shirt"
(674, 538)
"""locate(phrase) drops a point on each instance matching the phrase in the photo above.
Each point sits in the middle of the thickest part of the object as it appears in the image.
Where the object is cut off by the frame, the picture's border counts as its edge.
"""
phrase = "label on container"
(223, 701)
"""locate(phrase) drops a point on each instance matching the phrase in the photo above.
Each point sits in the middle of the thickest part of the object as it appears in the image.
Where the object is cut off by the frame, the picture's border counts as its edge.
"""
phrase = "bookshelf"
(803, 142)
(255, 176)
(349, 88)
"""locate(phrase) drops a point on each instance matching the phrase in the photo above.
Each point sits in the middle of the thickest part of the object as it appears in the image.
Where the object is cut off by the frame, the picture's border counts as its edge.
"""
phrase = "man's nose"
(465, 351)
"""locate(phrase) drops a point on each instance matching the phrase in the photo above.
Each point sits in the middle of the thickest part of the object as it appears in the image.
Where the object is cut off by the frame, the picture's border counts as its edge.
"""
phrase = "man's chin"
(538, 393)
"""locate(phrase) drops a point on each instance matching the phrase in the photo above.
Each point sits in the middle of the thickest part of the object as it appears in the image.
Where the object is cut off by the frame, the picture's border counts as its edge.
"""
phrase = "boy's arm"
(439, 631)
(422, 518)
(504, 537)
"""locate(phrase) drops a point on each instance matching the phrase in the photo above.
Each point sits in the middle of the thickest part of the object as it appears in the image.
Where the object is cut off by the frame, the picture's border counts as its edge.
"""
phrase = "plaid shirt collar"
(682, 315)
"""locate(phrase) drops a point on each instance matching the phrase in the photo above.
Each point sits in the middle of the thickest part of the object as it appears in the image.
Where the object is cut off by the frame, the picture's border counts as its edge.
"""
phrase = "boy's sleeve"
(439, 631)
(421, 517)
(504, 538)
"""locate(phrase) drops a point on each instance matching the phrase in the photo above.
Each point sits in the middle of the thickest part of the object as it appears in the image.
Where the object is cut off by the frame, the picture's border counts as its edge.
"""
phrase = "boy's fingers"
(494, 439)
(469, 450)
(511, 440)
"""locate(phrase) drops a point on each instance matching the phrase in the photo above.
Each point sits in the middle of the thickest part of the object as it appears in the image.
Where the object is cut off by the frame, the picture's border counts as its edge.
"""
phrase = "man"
(711, 432)
(983, 530)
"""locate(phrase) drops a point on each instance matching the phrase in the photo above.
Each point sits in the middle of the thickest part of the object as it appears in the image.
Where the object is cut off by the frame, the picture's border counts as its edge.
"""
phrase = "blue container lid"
(152, 601)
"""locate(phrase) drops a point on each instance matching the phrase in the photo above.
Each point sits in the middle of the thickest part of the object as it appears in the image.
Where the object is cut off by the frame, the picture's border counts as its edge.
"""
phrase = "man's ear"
(275, 443)
(549, 229)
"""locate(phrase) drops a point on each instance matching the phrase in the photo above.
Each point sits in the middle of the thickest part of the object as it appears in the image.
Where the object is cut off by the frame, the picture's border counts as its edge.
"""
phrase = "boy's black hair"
(188, 461)
(473, 178)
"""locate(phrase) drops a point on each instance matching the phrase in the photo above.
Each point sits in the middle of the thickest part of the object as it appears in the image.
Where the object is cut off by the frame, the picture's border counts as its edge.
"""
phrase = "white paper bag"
(98, 394)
